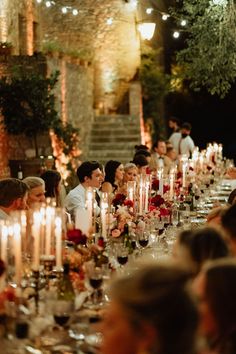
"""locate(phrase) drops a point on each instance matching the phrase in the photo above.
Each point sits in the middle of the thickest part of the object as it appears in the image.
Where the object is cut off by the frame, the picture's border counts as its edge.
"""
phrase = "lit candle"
(160, 178)
(184, 169)
(89, 205)
(48, 230)
(36, 235)
(104, 208)
(141, 196)
(17, 252)
(172, 176)
(147, 187)
(131, 190)
(58, 237)
(4, 239)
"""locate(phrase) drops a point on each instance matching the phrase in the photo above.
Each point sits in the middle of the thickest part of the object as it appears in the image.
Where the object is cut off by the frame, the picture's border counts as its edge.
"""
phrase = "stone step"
(135, 139)
(129, 146)
(107, 153)
(116, 131)
(114, 117)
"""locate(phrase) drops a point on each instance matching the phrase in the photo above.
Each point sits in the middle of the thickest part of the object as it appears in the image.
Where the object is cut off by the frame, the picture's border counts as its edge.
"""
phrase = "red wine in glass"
(160, 231)
(133, 244)
(143, 242)
(122, 259)
(61, 320)
(95, 282)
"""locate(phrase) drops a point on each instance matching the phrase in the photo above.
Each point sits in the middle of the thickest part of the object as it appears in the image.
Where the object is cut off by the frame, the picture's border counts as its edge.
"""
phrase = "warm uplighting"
(147, 30)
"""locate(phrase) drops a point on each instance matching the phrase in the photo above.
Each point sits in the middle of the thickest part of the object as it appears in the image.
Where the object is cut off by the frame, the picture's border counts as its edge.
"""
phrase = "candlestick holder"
(48, 263)
(36, 281)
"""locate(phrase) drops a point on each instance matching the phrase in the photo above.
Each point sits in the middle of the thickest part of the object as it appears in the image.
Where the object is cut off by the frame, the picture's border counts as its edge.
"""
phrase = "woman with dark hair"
(141, 162)
(215, 287)
(197, 247)
(114, 173)
(52, 179)
(151, 311)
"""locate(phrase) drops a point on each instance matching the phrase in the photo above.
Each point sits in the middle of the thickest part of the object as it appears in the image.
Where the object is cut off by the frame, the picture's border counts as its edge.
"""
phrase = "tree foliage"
(209, 58)
(155, 85)
(27, 103)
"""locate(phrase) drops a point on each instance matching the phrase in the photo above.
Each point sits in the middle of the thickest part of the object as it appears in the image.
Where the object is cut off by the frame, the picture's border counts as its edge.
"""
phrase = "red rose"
(129, 203)
(119, 199)
(164, 212)
(76, 236)
(155, 185)
(166, 188)
(157, 200)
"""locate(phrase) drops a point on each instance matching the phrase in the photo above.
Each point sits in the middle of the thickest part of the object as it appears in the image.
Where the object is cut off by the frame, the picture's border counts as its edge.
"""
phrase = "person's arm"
(107, 187)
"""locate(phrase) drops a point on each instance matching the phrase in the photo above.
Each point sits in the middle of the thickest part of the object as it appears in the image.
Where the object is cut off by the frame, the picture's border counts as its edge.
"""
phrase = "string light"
(176, 34)
(165, 17)
(109, 21)
(75, 12)
(183, 23)
(149, 10)
(48, 3)
(39, 1)
(64, 10)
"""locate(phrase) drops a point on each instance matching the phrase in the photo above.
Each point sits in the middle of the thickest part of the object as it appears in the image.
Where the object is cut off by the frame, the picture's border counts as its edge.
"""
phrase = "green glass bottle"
(65, 289)
(127, 239)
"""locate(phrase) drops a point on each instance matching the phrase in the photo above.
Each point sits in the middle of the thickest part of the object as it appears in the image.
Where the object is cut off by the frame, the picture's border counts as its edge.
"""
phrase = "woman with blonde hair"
(36, 192)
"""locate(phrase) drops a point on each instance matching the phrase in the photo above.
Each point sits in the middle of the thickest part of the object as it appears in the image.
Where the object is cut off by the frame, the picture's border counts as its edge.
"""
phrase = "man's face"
(21, 203)
(161, 148)
(96, 179)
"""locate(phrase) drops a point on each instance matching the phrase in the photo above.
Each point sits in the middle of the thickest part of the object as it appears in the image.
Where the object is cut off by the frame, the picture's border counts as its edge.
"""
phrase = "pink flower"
(115, 233)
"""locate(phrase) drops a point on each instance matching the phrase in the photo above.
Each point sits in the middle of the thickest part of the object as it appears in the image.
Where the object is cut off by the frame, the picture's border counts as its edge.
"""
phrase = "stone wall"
(115, 48)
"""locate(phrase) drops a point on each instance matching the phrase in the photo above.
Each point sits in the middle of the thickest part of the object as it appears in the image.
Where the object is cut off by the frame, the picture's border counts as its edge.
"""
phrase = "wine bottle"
(127, 239)
(65, 290)
(20, 173)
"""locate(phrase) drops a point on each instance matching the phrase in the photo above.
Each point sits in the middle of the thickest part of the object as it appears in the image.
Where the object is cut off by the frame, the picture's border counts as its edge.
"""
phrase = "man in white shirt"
(89, 175)
(13, 196)
(182, 141)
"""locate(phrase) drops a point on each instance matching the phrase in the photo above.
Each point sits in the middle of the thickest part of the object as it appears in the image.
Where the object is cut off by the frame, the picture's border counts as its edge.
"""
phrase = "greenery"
(53, 46)
(209, 57)
(27, 103)
(155, 85)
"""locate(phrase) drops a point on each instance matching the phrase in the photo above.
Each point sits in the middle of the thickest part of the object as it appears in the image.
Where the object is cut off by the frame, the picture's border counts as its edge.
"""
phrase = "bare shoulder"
(106, 187)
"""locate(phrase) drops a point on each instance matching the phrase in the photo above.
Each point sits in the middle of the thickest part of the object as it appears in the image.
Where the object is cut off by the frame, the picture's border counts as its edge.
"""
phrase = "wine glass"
(122, 254)
(62, 310)
(143, 239)
(95, 281)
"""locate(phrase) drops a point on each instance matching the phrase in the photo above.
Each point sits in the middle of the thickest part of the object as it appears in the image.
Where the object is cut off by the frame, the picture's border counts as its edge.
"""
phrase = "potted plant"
(27, 104)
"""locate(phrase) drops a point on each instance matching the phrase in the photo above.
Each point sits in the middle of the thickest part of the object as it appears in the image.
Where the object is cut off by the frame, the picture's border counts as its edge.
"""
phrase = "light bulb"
(109, 21)
(75, 12)
(48, 3)
(219, 2)
(165, 17)
(183, 23)
(64, 10)
(176, 34)
(149, 10)
(39, 1)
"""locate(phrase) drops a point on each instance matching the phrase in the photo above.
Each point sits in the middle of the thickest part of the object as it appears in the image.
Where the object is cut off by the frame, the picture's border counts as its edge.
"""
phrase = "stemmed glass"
(62, 311)
(122, 254)
(143, 239)
(95, 281)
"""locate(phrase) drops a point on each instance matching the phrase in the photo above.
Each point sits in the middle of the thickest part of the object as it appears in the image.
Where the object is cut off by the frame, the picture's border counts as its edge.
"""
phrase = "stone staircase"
(113, 137)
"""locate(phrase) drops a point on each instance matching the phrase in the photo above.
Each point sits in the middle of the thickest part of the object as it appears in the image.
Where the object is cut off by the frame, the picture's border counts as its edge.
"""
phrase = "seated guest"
(228, 221)
(158, 156)
(170, 158)
(141, 163)
(114, 173)
(215, 288)
(151, 311)
(215, 215)
(232, 197)
(196, 247)
(89, 175)
(36, 190)
(145, 153)
(130, 172)
(141, 147)
(53, 187)
(13, 196)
